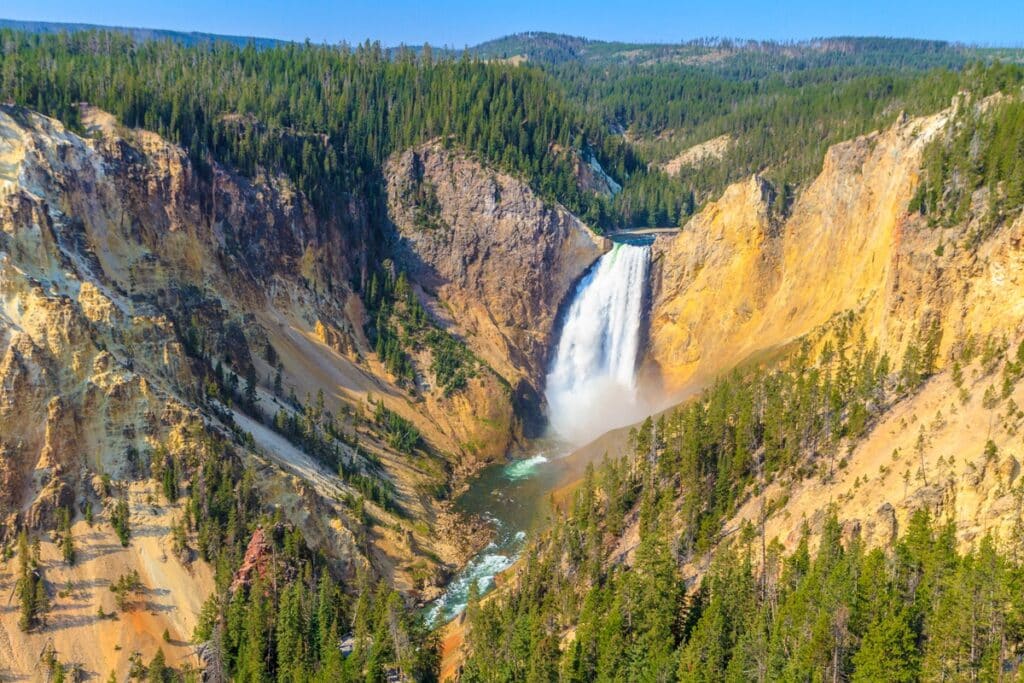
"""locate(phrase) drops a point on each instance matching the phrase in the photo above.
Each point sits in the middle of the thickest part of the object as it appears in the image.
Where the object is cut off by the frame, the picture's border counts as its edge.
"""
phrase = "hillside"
(727, 54)
(869, 432)
(153, 318)
(138, 34)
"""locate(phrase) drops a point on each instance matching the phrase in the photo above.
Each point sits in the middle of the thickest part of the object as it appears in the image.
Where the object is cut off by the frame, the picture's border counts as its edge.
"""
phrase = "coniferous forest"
(329, 116)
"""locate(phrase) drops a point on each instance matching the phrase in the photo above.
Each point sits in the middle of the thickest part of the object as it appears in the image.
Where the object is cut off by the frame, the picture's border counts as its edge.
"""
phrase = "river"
(591, 389)
(514, 497)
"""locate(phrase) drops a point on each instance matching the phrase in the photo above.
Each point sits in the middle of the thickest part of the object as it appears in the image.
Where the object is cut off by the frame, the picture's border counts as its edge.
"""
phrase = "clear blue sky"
(461, 22)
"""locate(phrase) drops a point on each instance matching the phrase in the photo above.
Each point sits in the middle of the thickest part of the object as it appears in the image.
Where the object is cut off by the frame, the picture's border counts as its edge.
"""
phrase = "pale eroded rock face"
(738, 281)
(111, 247)
(494, 259)
(69, 397)
(710, 280)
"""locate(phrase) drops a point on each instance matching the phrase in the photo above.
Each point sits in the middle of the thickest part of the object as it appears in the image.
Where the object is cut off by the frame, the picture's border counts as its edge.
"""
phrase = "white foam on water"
(481, 571)
(521, 469)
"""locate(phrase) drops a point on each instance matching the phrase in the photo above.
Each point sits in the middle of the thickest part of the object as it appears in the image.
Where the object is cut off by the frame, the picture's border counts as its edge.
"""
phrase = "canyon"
(128, 275)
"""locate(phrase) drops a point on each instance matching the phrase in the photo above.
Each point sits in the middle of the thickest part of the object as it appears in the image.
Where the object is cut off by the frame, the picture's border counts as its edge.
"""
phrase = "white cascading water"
(591, 387)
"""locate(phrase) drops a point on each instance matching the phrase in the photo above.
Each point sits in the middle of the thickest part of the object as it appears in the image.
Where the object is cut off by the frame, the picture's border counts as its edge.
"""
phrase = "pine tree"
(888, 651)
(26, 586)
(158, 672)
(252, 652)
(120, 519)
(67, 541)
(40, 602)
(169, 478)
(250, 386)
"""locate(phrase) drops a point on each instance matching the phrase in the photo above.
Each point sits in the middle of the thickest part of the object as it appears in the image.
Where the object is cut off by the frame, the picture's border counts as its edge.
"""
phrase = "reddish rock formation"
(257, 561)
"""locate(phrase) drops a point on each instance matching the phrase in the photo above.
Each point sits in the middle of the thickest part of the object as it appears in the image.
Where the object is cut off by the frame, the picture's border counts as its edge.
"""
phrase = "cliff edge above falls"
(491, 257)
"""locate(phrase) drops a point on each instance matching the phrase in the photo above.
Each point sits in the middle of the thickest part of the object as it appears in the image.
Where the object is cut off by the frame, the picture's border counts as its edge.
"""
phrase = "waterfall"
(591, 387)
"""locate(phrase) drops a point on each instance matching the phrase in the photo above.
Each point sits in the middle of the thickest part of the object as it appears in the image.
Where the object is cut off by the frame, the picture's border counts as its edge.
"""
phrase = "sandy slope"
(172, 599)
(948, 474)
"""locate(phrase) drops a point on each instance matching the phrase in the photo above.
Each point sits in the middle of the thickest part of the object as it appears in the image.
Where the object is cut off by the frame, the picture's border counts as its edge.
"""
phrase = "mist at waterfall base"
(591, 387)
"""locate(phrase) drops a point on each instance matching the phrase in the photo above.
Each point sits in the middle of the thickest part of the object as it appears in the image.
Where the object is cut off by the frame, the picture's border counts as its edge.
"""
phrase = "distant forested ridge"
(728, 53)
(328, 116)
(138, 34)
(781, 117)
(783, 103)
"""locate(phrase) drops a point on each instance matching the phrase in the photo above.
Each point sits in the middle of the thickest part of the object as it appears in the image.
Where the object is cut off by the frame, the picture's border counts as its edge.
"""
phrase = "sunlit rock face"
(490, 256)
(741, 278)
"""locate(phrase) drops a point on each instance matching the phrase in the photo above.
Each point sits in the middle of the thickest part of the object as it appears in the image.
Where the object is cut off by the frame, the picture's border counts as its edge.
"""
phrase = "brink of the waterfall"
(591, 387)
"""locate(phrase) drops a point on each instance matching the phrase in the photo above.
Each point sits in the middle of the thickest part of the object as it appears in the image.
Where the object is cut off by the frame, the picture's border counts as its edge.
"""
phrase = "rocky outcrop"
(703, 152)
(591, 176)
(740, 280)
(256, 562)
(710, 280)
(491, 257)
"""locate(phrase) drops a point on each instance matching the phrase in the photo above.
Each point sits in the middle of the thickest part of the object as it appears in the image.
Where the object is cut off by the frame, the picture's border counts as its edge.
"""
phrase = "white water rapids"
(591, 387)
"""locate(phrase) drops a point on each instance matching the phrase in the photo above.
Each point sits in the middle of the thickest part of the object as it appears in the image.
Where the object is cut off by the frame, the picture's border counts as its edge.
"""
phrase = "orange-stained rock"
(256, 562)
